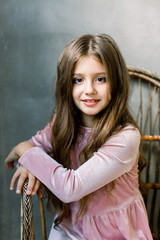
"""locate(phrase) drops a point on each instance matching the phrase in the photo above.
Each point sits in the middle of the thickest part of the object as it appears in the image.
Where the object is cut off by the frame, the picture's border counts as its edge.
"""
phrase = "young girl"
(87, 155)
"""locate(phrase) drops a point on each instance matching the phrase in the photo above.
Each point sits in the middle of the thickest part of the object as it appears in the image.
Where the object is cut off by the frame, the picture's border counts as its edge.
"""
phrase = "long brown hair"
(111, 120)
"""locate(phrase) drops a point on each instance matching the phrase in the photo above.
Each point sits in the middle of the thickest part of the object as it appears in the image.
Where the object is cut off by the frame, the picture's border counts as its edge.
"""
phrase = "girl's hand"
(9, 161)
(16, 153)
(34, 185)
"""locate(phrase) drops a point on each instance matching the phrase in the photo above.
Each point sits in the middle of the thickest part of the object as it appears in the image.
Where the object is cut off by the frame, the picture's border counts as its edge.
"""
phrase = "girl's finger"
(31, 184)
(12, 156)
(9, 165)
(21, 181)
(14, 178)
(40, 191)
(37, 188)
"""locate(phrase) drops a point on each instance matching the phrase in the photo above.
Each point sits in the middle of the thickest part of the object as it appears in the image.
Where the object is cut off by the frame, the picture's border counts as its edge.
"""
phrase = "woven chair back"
(145, 105)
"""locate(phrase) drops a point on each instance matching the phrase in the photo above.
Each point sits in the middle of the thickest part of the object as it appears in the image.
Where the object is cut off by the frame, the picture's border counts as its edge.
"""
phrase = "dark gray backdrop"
(32, 36)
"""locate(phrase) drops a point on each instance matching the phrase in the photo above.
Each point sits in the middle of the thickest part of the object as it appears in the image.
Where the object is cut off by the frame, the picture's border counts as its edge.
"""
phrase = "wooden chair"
(145, 105)
(145, 89)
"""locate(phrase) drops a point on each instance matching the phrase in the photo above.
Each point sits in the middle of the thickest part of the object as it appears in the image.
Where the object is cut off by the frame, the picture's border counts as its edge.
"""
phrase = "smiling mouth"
(90, 100)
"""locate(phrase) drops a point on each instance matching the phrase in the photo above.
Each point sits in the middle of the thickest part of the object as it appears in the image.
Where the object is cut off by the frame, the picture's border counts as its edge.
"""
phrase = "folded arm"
(116, 157)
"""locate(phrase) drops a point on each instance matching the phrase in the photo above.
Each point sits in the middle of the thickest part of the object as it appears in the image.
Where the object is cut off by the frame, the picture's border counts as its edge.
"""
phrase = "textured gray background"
(32, 36)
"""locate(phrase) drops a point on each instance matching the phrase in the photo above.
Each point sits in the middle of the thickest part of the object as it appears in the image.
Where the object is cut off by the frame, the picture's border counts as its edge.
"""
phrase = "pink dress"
(121, 215)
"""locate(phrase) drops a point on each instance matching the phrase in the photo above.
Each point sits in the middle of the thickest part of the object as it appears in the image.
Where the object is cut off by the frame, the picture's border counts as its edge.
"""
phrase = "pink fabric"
(122, 215)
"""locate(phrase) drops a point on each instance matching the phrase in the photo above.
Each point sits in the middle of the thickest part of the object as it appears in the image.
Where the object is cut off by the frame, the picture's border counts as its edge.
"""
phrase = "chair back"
(145, 105)
(27, 223)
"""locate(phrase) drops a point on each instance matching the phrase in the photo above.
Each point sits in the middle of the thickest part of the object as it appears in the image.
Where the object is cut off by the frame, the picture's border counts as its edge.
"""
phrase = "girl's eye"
(77, 80)
(101, 79)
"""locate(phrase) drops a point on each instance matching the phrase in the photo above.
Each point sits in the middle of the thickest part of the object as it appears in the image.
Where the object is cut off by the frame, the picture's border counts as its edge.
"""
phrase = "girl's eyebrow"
(77, 74)
(94, 74)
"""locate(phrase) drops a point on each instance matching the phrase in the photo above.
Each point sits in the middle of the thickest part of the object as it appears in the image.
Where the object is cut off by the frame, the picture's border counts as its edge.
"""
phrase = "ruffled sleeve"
(116, 157)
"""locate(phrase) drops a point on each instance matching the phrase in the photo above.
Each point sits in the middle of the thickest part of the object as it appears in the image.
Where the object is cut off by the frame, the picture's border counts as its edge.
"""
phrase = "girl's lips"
(90, 102)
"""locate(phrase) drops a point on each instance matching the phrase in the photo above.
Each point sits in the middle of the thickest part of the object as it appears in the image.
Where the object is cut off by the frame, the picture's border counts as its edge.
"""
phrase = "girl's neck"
(87, 121)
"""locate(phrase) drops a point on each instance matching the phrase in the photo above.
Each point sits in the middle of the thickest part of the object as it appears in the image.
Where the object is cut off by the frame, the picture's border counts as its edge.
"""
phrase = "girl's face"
(91, 89)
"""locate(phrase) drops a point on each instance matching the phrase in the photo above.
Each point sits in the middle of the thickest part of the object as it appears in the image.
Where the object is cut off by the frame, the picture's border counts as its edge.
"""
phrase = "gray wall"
(32, 36)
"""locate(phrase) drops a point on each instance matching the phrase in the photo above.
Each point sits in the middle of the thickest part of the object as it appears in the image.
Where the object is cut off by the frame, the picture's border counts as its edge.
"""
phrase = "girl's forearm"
(22, 147)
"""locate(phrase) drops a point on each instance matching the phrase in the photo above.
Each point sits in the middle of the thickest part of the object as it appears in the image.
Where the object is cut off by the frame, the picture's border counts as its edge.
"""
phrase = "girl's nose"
(89, 88)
